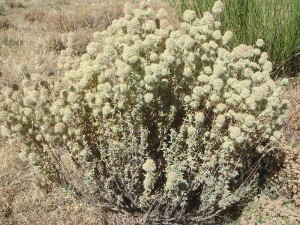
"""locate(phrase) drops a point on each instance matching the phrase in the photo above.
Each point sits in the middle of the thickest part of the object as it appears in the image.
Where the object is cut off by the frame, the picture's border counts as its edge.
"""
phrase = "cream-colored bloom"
(219, 69)
(72, 97)
(209, 19)
(130, 55)
(249, 120)
(204, 78)
(189, 16)
(194, 30)
(28, 112)
(149, 165)
(220, 121)
(268, 67)
(245, 92)
(207, 70)
(217, 84)
(227, 37)
(134, 26)
(187, 99)
(264, 56)
(59, 128)
(199, 117)
(221, 107)
(248, 72)
(206, 48)
(149, 25)
(161, 14)
(218, 25)
(191, 130)
(217, 35)
(106, 110)
(207, 88)
(148, 97)
(188, 43)
(92, 48)
(260, 43)
(218, 7)
(174, 178)
(5, 131)
(234, 132)
(213, 45)
(187, 72)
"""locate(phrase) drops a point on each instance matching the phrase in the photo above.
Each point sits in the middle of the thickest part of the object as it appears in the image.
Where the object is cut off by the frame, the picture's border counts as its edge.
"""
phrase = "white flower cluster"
(218, 8)
(149, 166)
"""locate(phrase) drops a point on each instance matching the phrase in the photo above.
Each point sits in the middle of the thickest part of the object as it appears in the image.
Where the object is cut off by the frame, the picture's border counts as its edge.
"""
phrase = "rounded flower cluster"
(165, 118)
(149, 166)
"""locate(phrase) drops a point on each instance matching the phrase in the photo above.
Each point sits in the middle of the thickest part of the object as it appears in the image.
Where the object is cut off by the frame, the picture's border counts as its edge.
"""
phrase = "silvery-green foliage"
(159, 120)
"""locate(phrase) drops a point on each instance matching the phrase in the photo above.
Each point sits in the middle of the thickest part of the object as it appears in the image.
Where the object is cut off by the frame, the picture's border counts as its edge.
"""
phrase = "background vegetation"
(275, 21)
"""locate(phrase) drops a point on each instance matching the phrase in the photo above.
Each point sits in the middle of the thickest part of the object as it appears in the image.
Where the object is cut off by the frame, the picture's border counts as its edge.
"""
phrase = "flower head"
(189, 16)
(218, 7)
(260, 43)
(149, 165)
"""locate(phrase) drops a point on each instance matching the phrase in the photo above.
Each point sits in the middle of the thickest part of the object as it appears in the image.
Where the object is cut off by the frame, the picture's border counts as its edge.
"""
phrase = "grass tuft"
(2, 9)
(35, 15)
(15, 4)
(4, 23)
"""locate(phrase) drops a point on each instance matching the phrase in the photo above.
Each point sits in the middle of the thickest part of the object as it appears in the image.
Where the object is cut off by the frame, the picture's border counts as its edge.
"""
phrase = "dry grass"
(293, 122)
(5, 23)
(266, 211)
(35, 15)
(74, 20)
(32, 44)
(64, 2)
(63, 22)
(15, 3)
(289, 177)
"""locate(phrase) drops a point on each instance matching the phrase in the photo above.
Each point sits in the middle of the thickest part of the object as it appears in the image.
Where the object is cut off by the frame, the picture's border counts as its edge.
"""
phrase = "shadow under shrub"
(167, 123)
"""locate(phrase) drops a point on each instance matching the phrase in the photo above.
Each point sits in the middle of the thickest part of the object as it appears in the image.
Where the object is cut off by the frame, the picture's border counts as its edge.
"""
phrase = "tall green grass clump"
(276, 21)
(167, 123)
(2, 8)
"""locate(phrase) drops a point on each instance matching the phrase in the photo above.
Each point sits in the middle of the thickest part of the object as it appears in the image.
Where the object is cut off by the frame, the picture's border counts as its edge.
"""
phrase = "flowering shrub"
(162, 121)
